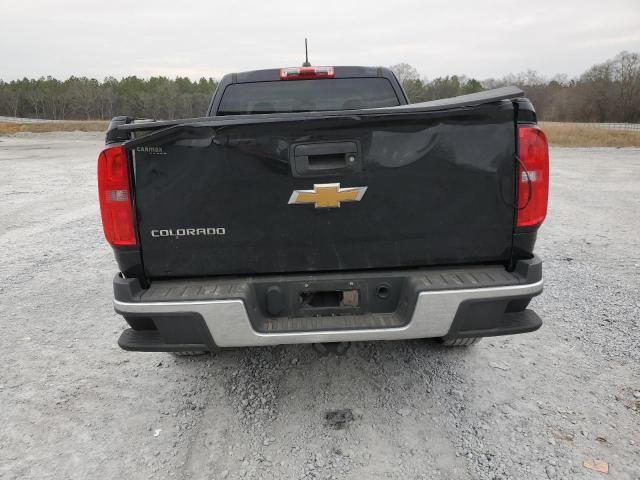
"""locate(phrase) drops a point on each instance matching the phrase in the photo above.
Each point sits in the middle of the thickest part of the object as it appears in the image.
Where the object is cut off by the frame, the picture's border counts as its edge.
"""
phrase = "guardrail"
(610, 126)
(25, 120)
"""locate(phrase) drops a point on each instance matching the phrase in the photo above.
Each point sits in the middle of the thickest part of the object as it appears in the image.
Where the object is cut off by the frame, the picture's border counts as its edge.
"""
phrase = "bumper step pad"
(152, 341)
(508, 324)
(342, 322)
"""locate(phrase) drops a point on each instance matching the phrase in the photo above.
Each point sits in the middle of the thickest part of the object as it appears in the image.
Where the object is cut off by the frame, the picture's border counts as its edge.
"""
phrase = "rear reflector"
(115, 197)
(533, 188)
(306, 73)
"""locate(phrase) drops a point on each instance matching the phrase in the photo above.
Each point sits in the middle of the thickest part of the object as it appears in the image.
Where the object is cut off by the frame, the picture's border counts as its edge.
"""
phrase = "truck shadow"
(288, 402)
(263, 382)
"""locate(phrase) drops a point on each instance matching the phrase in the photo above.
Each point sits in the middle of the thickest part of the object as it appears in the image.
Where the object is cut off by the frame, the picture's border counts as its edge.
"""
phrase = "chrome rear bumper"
(229, 324)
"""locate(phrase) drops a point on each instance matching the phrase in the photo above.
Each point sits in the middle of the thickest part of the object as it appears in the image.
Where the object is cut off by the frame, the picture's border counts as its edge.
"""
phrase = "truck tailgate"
(247, 197)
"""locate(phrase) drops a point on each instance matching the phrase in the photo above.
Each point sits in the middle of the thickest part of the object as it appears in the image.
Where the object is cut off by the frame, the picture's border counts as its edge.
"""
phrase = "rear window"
(307, 95)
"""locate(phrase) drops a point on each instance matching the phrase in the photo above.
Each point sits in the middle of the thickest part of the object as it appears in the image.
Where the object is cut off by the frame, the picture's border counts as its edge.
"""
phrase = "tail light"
(115, 197)
(306, 73)
(533, 177)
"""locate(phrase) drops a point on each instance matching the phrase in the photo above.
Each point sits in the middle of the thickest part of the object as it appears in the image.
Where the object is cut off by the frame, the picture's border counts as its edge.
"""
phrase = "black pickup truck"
(316, 205)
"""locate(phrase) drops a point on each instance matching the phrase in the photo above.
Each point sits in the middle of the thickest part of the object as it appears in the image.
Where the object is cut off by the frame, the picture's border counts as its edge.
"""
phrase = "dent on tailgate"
(214, 196)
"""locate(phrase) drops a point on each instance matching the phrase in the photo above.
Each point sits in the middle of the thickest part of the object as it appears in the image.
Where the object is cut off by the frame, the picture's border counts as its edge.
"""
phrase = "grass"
(559, 134)
(7, 128)
(577, 135)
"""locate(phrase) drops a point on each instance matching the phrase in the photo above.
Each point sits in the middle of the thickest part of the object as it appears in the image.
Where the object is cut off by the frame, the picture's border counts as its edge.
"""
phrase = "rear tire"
(193, 353)
(460, 342)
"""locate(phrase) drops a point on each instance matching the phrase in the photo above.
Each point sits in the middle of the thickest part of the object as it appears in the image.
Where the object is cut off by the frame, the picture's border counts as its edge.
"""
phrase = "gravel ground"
(533, 406)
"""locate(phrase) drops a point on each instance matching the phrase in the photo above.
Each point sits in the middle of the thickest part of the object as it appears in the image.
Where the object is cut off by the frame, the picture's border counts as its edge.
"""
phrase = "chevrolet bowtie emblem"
(328, 195)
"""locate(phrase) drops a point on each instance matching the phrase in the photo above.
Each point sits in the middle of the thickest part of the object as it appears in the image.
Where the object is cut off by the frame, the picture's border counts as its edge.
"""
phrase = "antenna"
(306, 55)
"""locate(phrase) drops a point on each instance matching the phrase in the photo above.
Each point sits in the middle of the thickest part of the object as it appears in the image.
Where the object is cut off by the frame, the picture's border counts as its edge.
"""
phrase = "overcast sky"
(208, 38)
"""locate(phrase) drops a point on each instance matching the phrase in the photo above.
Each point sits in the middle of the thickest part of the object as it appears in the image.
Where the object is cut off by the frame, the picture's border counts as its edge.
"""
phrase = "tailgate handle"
(321, 159)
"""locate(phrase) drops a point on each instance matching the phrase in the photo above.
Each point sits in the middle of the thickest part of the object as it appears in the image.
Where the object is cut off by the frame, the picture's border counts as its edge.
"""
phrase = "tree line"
(82, 98)
(607, 92)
